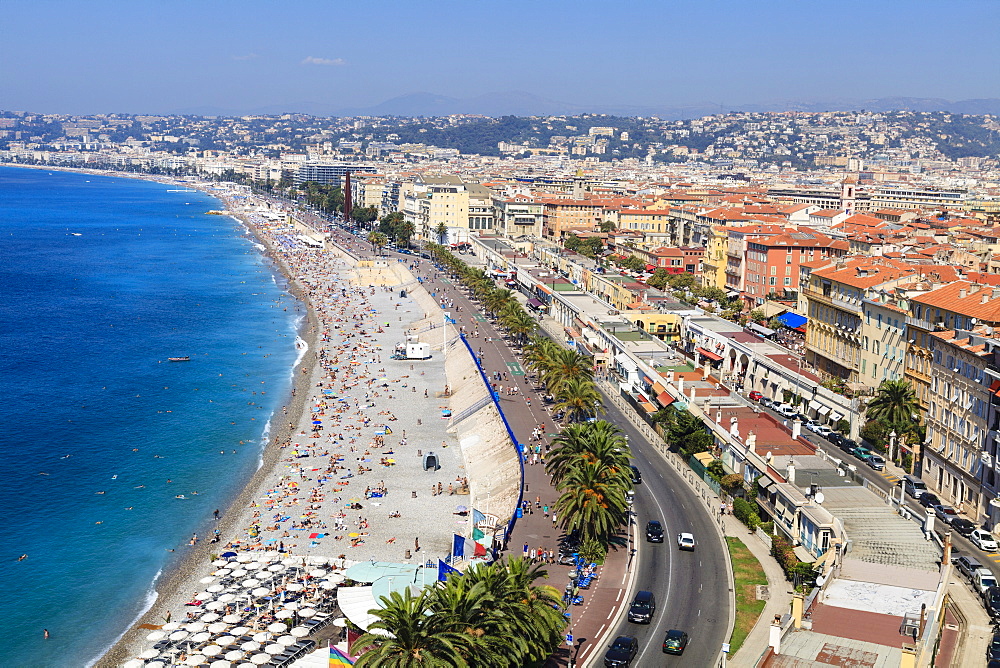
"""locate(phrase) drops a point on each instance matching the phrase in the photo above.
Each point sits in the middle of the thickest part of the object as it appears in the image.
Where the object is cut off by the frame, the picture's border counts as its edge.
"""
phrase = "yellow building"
(664, 326)
(713, 270)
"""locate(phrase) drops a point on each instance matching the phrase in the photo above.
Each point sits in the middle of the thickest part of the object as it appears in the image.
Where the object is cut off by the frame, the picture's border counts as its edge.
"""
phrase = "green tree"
(579, 398)
(607, 226)
(378, 241)
(592, 501)
(895, 402)
(442, 232)
(632, 263)
(598, 441)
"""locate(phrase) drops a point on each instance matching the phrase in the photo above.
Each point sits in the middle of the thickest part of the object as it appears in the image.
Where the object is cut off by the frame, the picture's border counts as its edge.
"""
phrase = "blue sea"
(101, 280)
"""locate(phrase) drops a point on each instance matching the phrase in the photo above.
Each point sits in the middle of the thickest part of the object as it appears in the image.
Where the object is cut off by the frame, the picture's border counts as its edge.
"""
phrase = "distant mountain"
(521, 103)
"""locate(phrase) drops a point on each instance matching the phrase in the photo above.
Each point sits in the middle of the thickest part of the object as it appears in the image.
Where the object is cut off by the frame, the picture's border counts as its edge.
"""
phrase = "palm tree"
(442, 231)
(579, 398)
(598, 441)
(417, 638)
(496, 300)
(538, 351)
(378, 241)
(563, 366)
(895, 403)
(520, 325)
(592, 501)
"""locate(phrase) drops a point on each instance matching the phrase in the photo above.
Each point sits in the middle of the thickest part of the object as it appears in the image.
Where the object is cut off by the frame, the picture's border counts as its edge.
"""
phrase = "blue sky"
(160, 57)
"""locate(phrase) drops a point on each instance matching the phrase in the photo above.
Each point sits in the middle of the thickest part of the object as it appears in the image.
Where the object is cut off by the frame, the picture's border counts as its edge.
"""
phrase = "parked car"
(675, 642)
(962, 526)
(835, 438)
(982, 580)
(755, 395)
(811, 425)
(967, 566)
(685, 541)
(993, 651)
(913, 486)
(928, 500)
(621, 652)
(877, 462)
(945, 513)
(861, 452)
(824, 431)
(787, 410)
(766, 402)
(654, 531)
(643, 608)
(992, 600)
(984, 540)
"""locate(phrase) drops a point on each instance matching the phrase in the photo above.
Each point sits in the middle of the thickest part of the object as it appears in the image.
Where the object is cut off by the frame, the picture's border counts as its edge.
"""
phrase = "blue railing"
(510, 433)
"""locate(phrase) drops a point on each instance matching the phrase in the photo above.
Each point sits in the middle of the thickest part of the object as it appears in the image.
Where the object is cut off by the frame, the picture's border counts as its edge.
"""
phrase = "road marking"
(601, 630)
(619, 597)
(479, 317)
(609, 614)
(515, 369)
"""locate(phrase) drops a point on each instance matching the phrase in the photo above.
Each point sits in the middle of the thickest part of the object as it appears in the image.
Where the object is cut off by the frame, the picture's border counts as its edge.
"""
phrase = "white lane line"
(601, 630)
(609, 615)
(619, 597)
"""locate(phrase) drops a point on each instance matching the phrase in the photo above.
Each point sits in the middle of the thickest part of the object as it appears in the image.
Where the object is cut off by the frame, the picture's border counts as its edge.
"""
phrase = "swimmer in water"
(98, 492)
(139, 487)
(22, 557)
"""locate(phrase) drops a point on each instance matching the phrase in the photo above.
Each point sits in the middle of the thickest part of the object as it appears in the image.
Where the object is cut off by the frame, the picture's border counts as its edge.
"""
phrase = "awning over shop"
(995, 387)
(649, 408)
(658, 388)
(815, 405)
(803, 554)
(793, 320)
(534, 303)
(836, 417)
(760, 329)
(823, 410)
(664, 399)
(650, 267)
(709, 355)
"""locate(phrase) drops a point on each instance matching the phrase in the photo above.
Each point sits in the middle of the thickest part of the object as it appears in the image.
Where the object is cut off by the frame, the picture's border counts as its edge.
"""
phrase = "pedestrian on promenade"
(525, 549)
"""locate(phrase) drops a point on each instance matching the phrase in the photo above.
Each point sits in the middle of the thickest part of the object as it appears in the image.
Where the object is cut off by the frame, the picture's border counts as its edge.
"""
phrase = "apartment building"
(519, 215)
(772, 262)
(957, 418)
(446, 208)
(562, 217)
(837, 325)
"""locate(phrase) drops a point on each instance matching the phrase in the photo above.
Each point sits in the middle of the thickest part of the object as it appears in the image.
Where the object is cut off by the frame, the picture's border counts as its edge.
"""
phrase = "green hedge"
(747, 513)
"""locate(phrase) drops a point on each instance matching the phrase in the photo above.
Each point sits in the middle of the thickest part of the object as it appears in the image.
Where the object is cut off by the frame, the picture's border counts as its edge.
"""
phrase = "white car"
(685, 541)
(983, 540)
(823, 430)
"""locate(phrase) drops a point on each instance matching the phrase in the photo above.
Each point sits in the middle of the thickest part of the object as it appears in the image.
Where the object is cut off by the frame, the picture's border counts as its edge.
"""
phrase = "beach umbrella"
(263, 636)
(195, 627)
(326, 584)
(240, 631)
(194, 660)
(156, 635)
(287, 641)
(244, 558)
(171, 626)
(289, 561)
(219, 562)
(238, 573)
(234, 655)
(291, 605)
(317, 572)
(250, 646)
(201, 637)
(205, 580)
(340, 621)
(232, 619)
(211, 650)
(178, 635)
(134, 663)
(215, 605)
(203, 596)
(300, 632)
(261, 591)
(337, 577)
(217, 627)
(250, 583)
(308, 612)
(214, 589)
(227, 555)
(226, 598)
(260, 659)
(150, 654)
(220, 664)
(253, 565)
(222, 572)
(318, 560)
(274, 648)
(275, 568)
(155, 664)
(295, 586)
(225, 641)
(209, 617)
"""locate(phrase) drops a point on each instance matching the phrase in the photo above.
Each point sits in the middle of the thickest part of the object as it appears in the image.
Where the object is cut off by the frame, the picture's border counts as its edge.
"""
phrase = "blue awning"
(792, 320)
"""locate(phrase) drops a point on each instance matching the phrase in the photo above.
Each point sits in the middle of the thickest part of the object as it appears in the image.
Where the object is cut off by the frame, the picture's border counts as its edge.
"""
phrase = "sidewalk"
(778, 603)
(965, 645)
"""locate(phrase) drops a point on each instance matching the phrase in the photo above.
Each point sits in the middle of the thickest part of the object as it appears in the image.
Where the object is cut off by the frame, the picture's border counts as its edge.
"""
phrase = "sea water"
(102, 279)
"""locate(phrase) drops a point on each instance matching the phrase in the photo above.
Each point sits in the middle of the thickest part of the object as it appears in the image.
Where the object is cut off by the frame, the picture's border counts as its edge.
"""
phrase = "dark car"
(928, 500)
(991, 597)
(636, 476)
(643, 607)
(675, 642)
(993, 651)
(963, 526)
(654, 531)
(847, 445)
(621, 652)
(835, 438)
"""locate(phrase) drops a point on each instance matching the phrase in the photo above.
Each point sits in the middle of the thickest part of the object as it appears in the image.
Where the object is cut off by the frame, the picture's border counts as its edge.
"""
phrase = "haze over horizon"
(106, 57)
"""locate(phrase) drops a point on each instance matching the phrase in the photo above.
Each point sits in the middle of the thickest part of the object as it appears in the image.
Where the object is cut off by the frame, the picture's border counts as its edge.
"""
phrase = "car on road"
(675, 642)
(824, 431)
(654, 531)
(636, 475)
(945, 513)
(643, 607)
(811, 425)
(786, 409)
(928, 500)
(913, 486)
(962, 526)
(621, 652)
(755, 396)
(992, 600)
(766, 402)
(685, 541)
(984, 540)
(847, 445)
(967, 565)
(877, 462)
(982, 580)
(993, 651)
(861, 452)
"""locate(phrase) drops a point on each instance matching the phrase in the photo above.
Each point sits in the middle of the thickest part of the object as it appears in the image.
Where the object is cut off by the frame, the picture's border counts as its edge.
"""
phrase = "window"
(788, 281)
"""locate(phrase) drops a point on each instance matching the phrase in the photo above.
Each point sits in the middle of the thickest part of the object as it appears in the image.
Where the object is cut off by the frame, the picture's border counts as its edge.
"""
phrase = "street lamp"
(892, 445)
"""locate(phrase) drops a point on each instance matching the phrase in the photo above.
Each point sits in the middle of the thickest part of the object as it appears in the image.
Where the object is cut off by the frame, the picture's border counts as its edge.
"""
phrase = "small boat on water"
(179, 359)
